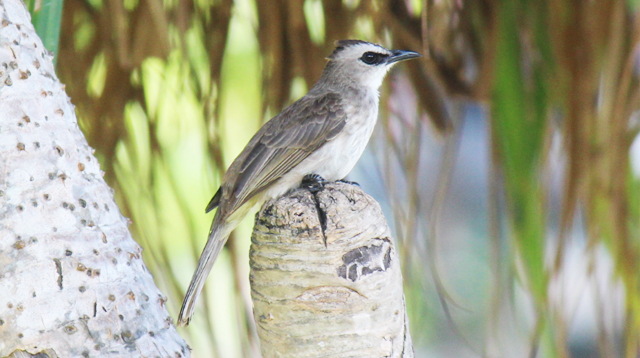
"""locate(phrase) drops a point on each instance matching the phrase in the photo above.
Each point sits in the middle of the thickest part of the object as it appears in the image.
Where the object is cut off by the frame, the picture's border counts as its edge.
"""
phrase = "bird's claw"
(313, 182)
(348, 182)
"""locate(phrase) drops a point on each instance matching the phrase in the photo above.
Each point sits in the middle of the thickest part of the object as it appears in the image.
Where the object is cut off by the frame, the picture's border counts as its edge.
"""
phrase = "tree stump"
(325, 277)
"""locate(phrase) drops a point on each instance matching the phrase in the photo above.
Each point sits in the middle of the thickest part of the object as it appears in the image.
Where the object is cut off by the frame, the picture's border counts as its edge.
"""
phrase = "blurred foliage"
(168, 92)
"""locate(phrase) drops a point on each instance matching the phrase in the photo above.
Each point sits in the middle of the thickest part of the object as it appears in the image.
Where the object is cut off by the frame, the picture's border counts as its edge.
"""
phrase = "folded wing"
(282, 143)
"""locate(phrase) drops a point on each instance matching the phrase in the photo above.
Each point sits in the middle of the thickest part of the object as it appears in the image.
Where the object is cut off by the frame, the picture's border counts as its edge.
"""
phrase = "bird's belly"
(333, 161)
(337, 158)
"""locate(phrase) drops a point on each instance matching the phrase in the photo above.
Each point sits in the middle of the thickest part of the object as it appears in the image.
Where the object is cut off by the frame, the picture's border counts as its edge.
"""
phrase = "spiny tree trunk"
(72, 282)
(325, 277)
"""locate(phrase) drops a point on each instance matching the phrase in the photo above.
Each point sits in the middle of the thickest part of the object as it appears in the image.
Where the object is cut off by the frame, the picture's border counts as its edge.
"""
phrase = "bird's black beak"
(401, 55)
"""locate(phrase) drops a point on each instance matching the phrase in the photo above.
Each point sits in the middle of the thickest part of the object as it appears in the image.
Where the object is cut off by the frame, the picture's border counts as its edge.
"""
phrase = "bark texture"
(335, 292)
(72, 281)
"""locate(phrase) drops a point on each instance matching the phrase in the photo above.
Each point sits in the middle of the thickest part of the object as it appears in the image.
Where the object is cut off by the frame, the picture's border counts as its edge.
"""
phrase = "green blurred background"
(505, 159)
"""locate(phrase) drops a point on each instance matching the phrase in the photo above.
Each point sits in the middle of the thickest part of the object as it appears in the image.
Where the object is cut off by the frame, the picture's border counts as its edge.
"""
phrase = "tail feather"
(217, 238)
(221, 227)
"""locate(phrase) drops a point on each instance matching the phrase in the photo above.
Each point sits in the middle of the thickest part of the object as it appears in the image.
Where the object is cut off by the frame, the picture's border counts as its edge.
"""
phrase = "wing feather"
(282, 143)
(215, 201)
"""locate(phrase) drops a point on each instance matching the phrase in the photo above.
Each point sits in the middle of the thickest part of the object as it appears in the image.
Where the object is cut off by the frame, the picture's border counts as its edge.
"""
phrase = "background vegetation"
(505, 158)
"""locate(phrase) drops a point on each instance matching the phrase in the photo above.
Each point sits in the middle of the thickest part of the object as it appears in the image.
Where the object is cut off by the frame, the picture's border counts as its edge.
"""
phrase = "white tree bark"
(332, 294)
(72, 281)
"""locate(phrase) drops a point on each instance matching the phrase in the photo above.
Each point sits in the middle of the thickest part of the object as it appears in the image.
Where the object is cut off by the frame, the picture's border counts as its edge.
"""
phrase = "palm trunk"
(72, 281)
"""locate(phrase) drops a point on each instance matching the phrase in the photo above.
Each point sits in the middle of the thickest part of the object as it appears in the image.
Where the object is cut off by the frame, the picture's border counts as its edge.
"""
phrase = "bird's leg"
(315, 183)
(348, 182)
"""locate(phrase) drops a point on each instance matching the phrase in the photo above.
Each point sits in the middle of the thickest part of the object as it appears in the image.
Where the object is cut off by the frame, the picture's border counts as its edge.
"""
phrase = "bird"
(319, 137)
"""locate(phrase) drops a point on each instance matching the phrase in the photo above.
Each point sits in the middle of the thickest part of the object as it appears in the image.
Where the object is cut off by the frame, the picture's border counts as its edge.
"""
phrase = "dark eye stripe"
(373, 58)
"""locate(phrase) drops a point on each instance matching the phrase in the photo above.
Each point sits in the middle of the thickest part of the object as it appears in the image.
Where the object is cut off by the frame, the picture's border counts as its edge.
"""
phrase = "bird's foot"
(349, 182)
(313, 182)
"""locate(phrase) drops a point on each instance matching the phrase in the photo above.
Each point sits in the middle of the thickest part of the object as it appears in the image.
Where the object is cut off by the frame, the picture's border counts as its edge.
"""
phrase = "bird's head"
(363, 62)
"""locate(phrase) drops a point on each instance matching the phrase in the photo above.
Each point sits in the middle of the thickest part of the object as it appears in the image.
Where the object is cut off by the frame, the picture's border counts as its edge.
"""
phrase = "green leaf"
(46, 16)
(519, 105)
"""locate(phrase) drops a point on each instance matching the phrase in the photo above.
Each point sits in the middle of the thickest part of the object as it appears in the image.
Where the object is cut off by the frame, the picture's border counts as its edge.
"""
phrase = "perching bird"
(322, 134)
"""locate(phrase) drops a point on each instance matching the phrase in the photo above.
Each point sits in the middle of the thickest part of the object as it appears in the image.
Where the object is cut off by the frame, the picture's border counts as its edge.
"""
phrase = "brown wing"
(282, 143)
(214, 202)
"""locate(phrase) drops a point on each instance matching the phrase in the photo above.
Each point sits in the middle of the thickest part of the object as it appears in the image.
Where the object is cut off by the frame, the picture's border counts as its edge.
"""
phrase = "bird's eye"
(372, 58)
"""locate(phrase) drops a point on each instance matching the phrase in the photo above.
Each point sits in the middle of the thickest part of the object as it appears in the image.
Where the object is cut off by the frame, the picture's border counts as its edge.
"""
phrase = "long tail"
(217, 237)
